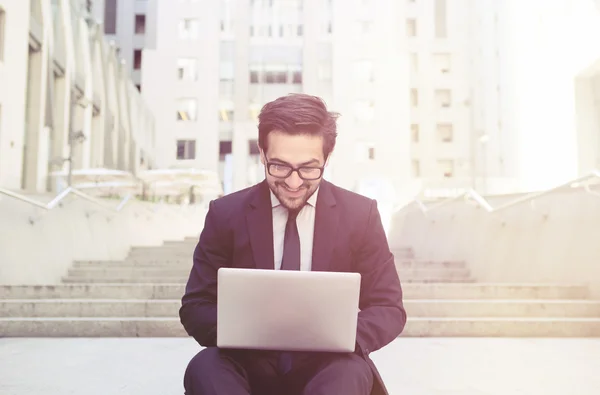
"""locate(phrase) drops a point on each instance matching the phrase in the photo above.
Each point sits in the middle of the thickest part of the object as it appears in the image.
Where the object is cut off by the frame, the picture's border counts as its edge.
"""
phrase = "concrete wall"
(552, 240)
(38, 246)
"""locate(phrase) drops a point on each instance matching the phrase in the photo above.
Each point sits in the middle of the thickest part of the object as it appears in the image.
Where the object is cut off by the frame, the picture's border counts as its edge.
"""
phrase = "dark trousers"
(216, 371)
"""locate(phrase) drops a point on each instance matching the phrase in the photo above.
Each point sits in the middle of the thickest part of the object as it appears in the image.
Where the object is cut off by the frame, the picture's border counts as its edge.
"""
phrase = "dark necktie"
(291, 243)
(290, 261)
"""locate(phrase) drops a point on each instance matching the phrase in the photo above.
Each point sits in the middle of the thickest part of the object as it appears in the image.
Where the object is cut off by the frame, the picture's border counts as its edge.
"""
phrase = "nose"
(294, 181)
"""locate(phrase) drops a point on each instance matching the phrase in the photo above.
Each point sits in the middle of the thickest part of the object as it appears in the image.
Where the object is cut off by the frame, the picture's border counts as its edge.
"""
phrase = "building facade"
(65, 98)
(431, 92)
(398, 72)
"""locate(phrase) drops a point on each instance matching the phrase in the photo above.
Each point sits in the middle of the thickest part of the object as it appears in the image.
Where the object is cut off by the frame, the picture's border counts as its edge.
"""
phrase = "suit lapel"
(259, 221)
(326, 224)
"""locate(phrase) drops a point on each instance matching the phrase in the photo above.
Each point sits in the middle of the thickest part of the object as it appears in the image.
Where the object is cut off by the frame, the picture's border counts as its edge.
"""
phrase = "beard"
(279, 189)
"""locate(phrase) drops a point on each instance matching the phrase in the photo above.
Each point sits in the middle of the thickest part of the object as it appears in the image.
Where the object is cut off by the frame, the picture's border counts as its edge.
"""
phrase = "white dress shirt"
(306, 226)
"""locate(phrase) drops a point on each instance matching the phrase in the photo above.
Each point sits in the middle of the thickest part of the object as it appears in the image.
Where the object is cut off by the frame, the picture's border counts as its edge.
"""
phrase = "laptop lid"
(287, 310)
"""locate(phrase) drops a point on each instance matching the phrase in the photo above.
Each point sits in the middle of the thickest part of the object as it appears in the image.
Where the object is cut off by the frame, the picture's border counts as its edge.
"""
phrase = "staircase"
(140, 297)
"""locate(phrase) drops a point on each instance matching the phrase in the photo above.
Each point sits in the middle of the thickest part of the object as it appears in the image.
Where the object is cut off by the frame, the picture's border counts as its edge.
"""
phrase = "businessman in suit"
(293, 220)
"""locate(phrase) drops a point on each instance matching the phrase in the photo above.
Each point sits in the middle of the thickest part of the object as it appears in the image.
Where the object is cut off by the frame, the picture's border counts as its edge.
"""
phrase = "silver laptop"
(287, 310)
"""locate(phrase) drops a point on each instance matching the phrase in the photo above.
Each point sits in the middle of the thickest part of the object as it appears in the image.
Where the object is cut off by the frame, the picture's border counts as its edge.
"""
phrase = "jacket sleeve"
(382, 315)
(198, 312)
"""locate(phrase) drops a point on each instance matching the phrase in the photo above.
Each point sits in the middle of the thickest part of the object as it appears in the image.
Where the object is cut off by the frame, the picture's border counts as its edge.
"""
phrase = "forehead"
(295, 149)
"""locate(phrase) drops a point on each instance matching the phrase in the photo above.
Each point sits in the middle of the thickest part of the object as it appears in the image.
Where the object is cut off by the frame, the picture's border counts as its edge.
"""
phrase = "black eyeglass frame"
(295, 169)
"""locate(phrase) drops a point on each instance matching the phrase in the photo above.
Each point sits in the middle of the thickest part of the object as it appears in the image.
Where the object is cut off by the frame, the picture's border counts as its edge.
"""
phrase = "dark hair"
(298, 114)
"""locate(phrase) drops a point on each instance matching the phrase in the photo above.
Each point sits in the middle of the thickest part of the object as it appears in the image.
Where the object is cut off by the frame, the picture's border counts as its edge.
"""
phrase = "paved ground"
(410, 366)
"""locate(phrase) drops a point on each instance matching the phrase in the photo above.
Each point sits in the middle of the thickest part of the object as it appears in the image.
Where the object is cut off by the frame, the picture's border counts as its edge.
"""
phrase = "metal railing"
(61, 196)
(474, 196)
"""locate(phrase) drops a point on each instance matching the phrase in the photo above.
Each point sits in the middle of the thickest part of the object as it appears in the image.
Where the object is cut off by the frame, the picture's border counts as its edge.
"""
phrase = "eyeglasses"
(304, 172)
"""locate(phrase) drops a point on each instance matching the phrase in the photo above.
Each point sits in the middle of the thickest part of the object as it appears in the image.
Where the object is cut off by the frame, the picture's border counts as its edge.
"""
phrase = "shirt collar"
(311, 201)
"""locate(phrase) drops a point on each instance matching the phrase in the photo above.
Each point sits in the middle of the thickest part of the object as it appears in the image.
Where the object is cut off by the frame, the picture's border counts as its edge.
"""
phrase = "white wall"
(552, 240)
(38, 247)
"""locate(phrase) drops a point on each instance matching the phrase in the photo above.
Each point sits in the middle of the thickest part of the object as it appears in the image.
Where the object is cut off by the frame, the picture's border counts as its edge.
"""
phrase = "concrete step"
(163, 250)
(187, 263)
(125, 280)
(503, 327)
(423, 264)
(416, 327)
(415, 308)
(135, 273)
(161, 254)
(132, 265)
(139, 261)
(559, 308)
(411, 291)
(180, 242)
(183, 279)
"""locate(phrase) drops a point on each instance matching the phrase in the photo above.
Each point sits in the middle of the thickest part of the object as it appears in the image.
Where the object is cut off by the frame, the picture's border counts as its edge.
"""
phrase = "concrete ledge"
(411, 291)
(417, 327)
(415, 307)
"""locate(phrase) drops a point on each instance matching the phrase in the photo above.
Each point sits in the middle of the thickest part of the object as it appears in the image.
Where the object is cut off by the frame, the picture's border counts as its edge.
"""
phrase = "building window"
(254, 110)
(446, 168)
(296, 76)
(445, 132)
(226, 110)
(226, 71)
(414, 133)
(2, 32)
(225, 148)
(186, 149)
(443, 98)
(414, 98)
(187, 110)
(440, 19)
(416, 168)
(441, 62)
(300, 30)
(138, 87)
(189, 29)
(275, 74)
(364, 110)
(414, 63)
(137, 59)
(187, 69)
(140, 24)
(363, 71)
(110, 17)
(371, 153)
(411, 27)
(253, 149)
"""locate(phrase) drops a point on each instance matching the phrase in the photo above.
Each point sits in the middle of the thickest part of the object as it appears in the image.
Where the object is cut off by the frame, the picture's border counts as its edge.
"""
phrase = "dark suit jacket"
(349, 237)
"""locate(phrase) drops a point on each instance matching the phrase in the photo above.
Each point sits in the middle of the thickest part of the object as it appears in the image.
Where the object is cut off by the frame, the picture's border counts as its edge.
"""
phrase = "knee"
(358, 367)
(356, 372)
(203, 362)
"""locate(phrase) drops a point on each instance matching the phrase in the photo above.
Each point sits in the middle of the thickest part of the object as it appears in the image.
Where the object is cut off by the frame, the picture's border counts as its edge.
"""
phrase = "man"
(294, 220)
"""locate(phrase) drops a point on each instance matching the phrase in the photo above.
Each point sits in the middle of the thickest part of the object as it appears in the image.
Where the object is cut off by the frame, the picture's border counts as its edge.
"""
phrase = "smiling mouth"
(294, 191)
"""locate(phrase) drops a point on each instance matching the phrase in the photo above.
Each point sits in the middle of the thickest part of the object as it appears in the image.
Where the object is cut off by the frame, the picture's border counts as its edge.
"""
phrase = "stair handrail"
(473, 195)
(61, 196)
